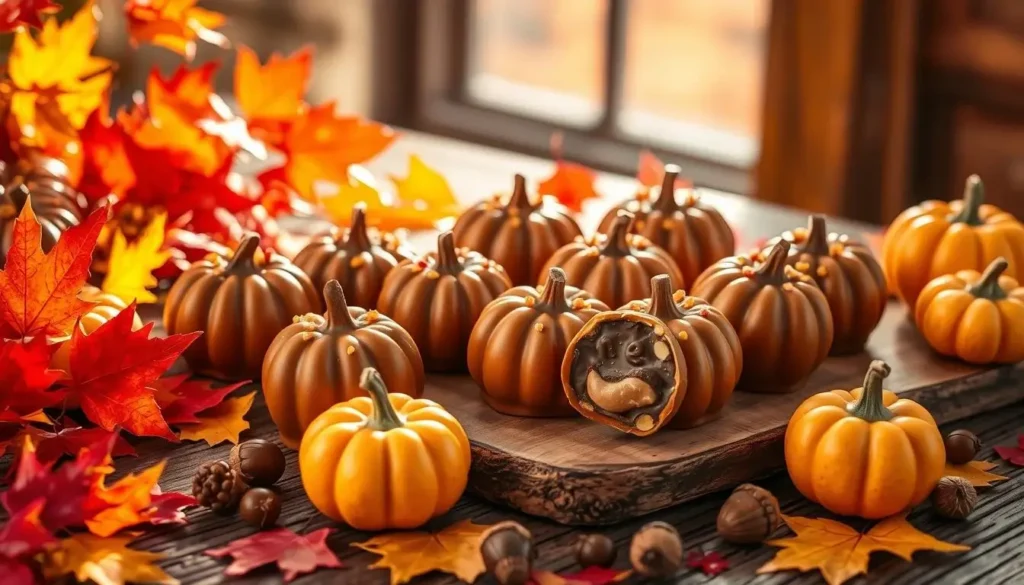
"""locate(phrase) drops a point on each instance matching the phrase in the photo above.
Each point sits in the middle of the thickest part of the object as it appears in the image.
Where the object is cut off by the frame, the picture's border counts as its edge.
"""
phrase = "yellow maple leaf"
(841, 553)
(454, 550)
(130, 267)
(106, 561)
(223, 422)
(58, 65)
(129, 501)
(976, 472)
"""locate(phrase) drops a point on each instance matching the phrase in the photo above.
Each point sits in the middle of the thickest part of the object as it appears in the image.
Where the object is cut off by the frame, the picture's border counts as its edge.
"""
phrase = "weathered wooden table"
(992, 531)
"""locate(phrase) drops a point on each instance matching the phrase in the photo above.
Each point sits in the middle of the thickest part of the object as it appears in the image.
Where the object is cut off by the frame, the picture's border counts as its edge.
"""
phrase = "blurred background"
(849, 107)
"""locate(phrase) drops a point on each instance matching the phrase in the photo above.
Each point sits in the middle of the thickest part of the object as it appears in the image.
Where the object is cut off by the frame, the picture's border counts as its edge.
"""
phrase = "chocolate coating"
(260, 507)
(258, 462)
(961, 446)
(54, 200)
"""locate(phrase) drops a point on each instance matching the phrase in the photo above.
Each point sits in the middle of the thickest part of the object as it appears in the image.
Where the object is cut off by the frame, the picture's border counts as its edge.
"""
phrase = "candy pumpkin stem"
(244, 254)
(817, 236)
(663, 306)
(357, 235)
(519, 199)
(338, 316)
(383, 417)
(667, 196)
(870, 406)
(974, 197)
(774, 267)
(554, 290)
(447, 256)
(615, 243)
(987, 286)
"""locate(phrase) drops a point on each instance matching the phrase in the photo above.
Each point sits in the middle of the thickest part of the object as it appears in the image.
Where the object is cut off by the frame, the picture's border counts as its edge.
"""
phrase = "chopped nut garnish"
(371, 316)
(683, 336)
(350, 350)
(538, 326)
(822, 271)
(433, 274)
(529, 301)
(678, 296)
(357, 261)
(578, 304)
(803, 266)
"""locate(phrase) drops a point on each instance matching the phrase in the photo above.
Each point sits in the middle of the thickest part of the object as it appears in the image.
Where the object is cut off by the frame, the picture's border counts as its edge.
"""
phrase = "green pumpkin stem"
(447, 255)
(663, 306)
(666, 202)
(817, 236)
(383, 417)
(244, 256)
(773, 269)
(974, 197)
(519, 198)
(358, 237)
(870, 406)
(615, 243)
(338, 316)
(554, 290)
(987, 286)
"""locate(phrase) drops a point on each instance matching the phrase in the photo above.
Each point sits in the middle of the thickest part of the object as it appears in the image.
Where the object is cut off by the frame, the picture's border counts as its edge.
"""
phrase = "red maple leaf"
(39, 292)
(181, 398)
(166, 507)
(187, 90)
(14, 13)
(1013, 455)
(294, 554)
(70, 438)
(710, 564)
(25, 377)
(572, 183)
(112, 369)
(650, 171)
(21, 538)
(106, 169)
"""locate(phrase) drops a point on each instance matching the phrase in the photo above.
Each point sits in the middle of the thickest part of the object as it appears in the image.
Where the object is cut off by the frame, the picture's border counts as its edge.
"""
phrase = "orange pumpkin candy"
(935, 238)
(978, 318)
(864, 452)
(384, 462)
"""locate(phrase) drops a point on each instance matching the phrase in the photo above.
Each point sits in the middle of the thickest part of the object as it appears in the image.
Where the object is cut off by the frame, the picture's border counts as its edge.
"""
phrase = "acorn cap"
(750, 515)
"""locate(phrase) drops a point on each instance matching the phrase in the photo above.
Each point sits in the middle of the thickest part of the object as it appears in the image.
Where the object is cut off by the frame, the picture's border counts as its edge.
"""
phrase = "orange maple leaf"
(125, 503)
(272, 92)
(841, 553)
(976, 472)
(39, 292)
(173, 24)
(571, 184)
(224, 422)
(453, 550)
(650, 169)
(189, 90)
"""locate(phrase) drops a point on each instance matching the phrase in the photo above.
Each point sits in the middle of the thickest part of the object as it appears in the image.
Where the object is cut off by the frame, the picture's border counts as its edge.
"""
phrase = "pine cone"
(217, 487)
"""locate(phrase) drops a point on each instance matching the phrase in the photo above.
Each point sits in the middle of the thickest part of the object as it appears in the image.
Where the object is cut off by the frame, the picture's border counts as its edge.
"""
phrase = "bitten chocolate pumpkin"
(975, 317)
(781, 316)
(693, 233)
(439, 298)
(520, 235)
(315, 362)
(615, 267)
(106, 307)
(848, 274)
(865, 452)
(935, 238)
(55, 202)
(355, 258)
(625, 369)
(517, 346)
(709, 345)
(240, 303)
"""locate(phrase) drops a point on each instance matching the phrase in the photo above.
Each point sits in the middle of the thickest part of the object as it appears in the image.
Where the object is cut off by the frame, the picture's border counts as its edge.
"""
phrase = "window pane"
(541, 58)
(694, 75)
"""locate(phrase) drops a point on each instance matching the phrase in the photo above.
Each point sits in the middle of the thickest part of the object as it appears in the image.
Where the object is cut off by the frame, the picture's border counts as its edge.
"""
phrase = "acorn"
(507, 551)
(595, 550)
(258, 462)
(749, 516)
(954, 497)
(961, 446)
(656, 550)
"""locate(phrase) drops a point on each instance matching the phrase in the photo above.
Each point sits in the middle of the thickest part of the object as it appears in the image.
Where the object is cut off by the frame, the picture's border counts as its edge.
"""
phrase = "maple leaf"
(589, 576)
(976, 472)
(294, 554)
(841, 553)
(181, 398)
(710, 564)
(14, 13)
(106, 168)
(112, 368)
(125, 503)
(107, 561)
(189, 91)
(130, 266)
(173, 24)
(22, 537)
(39, 292)
(1012, 455)
(25, 377)
(650, 171)
(272, 93)
(70, 438)
(571, 184)
(166, 507)
(224, 422)
(453, 550)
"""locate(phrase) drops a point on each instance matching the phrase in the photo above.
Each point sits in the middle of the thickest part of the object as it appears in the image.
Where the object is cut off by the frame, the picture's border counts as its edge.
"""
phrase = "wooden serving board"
(578, 472)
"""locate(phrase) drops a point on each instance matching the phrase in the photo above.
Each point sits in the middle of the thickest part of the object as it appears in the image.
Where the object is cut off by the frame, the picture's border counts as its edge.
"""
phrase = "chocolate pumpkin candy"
(520, 235)
(55, 202)
(315, 362)
(616, 267)
(935, 238)
(864, 452)
(439, 298)
(626, 370)
(106, 307)
(693, 233)
(975, 317)
(387, 461)
(848, 274)
(709, 345)
(240, 303)
(517, 346)
(354, 258)
(781, 316)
